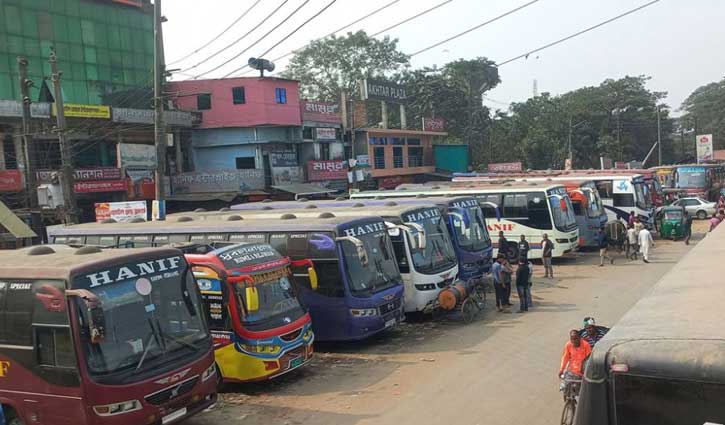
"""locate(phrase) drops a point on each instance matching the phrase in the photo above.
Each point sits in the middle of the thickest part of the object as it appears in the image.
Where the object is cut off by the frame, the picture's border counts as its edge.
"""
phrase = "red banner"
(100, 186)
(434, 124)
(82, 174)
(11, 181)
(505, 167)
(326, 170)
(320, 112)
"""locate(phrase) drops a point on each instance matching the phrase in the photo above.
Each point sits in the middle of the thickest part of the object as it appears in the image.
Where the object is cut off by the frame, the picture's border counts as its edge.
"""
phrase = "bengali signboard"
(704, 147)
(384, 91)
(503, 167)
(136, 155)
(146, 116)
(320, 112)
(74, 110)
(11, 181)
(286, 175)
(13, 108)
(283, 159)
(326, 170)
(325, 133)
(434, 124)
(121, 211)
(81, 174)
(100, 186)
(217, 181)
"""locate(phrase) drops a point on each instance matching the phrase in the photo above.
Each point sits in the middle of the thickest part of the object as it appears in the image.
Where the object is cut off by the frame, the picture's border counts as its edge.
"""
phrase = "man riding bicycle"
(576, 351)
(592, 333)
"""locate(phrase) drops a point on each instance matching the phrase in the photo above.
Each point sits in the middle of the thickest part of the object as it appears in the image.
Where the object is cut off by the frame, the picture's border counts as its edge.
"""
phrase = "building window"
(324, 151)
(415, 157)
(378, 140)
(397, 141)
(203, 102)
(379, 155)
(414, 142)
(397, 157)
(238, 96)
(280, 95)
(245, 163)
(307, 133)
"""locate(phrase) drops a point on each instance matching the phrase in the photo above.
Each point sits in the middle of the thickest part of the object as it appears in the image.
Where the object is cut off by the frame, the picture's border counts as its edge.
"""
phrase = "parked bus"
(91, 336)
(529, 209)
(423, 249)
(702, 180)
(360, 290)
(663, 362)
(261, 327)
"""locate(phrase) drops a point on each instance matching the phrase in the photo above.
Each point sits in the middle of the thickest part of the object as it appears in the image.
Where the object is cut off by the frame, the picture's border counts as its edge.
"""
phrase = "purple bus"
(360, 289)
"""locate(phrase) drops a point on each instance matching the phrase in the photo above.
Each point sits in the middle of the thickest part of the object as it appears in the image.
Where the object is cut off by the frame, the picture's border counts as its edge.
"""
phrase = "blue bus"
(360, 289)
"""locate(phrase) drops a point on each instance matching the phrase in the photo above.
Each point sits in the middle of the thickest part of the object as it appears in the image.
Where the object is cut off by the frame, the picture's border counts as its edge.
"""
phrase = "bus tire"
(701, 215)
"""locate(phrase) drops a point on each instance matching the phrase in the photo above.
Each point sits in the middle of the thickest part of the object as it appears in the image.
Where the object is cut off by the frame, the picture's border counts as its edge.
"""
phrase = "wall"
(222, 157)
(260, 107)
(101, 47)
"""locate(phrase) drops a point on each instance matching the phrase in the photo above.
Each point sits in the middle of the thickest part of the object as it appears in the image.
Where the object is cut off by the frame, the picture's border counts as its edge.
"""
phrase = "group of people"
(638, 240)
(503, 272)
(578, 349)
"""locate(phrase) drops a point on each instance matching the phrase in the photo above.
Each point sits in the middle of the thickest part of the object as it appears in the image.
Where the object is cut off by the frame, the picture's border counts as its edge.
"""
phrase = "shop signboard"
(363, 161)
(13, 108)
(218, 181)
(323, 112)
(283, 159)
(704, 147)
(384, 91)
(282, 176)
(325, 133)
(120, 211)
(97, 186)
(74, 110)
(326, 170)
(503, 167)
(11, 181)
(146, 116)
(136, 155)
(434, 124)
(81, 174)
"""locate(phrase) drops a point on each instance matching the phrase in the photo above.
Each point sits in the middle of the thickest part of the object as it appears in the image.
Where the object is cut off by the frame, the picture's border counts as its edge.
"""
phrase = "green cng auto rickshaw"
(674, 223)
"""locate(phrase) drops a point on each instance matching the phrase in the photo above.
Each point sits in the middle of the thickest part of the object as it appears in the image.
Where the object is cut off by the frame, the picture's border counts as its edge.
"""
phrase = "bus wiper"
(175, 339)
(153, 337)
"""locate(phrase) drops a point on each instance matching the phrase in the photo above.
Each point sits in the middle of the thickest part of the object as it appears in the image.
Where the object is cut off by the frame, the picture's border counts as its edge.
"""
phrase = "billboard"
(325, 112)
(325, 133)
(100, 186)
(11, 181)
(218, 181)
(503, 167)
(384, 91)
(434, 124)
(704, 147)
(136, 155)
(326, 170)
(81, 174)
(120, 211)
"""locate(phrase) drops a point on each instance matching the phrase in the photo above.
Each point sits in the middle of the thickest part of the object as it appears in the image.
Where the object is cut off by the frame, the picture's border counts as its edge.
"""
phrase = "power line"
(228, 46)
(287, 36)
(380, 9)
(561, 40)
(474, 28)
(258, 40)
(411, 18)
(219, 35)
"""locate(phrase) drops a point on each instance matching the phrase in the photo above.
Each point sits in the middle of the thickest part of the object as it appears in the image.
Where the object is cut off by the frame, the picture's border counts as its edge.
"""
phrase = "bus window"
(538, 211)
(51, 326)
(297, 245)
(623, 200)
(248, 237)
(279, 242)
(399, 251)
(17, 313)
(321, 245)
(488, 211)
(578, 210)
(61, 240)
(93, 240)
(3, 289)
(604, 187)
(329, 279)
(216, 237)
(161, 240)
(178, 238)
(198, 238)
(106, 241)
(514, 206)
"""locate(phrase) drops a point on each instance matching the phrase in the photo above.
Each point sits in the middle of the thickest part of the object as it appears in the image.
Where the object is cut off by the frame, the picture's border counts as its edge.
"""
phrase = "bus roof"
(443, 199)
(62, 261)
(460, 188)
(354, 209)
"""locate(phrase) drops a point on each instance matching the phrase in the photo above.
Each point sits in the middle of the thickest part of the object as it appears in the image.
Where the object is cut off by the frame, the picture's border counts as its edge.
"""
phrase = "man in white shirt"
(645, 243)
(632, 242)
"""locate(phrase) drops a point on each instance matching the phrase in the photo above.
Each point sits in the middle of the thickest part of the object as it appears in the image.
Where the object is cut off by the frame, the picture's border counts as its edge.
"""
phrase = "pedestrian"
(632, 246)
(529, 299)
(498, 284)
(721, 203)
(632, 218)
(603, 241)
(714, 222)
(645, 243)
(547, 247)
(506, 272)
(502, 243)
(523, 248)
(638, 225)
(522, 285)
(688, 228)
(575, 353)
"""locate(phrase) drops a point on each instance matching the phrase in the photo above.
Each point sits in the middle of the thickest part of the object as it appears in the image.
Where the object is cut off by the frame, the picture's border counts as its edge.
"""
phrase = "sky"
(676, 42)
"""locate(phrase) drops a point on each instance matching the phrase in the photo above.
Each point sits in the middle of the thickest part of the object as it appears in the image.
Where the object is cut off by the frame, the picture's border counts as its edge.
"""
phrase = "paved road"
(498, 370)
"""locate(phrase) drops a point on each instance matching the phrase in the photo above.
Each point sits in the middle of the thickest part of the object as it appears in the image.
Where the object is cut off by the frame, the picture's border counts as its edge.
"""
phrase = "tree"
(329, 67)
(705, 113)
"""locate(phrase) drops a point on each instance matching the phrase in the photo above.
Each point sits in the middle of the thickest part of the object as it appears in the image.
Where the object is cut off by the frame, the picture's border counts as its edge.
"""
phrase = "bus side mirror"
(93, 312)
(419, 234)
(462, 218)
(251, 298)
(313, 277)
(362, 255)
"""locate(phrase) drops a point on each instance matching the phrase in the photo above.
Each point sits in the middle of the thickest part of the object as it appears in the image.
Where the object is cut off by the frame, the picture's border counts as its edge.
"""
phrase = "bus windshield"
(640, 198)
(475, 237)
(278, 301)
(691, 178)
(381, 270)
(438, 254)
(564, 219)
(150, 321)
(594, 204)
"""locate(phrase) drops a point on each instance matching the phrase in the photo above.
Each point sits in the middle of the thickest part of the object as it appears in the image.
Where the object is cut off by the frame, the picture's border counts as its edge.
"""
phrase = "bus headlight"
(208, 373)
(308, 335)
(117, 408)
(425, 286)
(260, 349)
(562, 241)
(363, 312)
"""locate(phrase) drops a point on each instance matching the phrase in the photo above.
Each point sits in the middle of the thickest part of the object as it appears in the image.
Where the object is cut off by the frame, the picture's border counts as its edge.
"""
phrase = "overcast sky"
(678, 43)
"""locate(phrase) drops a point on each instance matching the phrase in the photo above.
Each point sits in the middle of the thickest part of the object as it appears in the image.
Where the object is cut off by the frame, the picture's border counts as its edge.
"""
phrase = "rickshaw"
(617, 234)
(674, 223)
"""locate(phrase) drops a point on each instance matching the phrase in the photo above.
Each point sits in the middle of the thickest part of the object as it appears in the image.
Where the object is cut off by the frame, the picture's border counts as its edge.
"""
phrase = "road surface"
(500, 369)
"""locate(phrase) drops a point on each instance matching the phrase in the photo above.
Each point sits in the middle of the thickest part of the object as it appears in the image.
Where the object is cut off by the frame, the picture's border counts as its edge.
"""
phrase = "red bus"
(102, 337)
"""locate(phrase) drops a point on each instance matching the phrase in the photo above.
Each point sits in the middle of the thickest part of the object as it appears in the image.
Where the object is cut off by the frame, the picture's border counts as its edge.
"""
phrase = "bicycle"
(570, 388)
(474, 303)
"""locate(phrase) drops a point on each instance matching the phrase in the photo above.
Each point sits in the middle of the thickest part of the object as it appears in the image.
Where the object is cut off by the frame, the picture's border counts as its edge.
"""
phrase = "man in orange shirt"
(576, 351)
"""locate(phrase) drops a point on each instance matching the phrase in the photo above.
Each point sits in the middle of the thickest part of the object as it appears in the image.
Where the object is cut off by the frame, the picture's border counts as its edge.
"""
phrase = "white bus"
(525, 208)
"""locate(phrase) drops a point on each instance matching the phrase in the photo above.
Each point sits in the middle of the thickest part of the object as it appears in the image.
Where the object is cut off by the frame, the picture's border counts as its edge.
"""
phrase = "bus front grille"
(167, 394)
(289, 337)
(388, 307)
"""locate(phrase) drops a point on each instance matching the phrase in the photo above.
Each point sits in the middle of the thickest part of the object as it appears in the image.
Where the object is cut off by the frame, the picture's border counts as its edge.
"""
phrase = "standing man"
(631, 219)
(522, 285)
(529, 299)
(523, 249)
(638, 225)
(502, 242)
(645, 243)
(688, 228)
(547, 247)
(506, 272)
(603, 245)
(498, 285)
(632, 245)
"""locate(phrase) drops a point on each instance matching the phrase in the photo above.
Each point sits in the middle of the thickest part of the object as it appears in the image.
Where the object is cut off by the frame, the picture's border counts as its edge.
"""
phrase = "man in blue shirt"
(498, 283)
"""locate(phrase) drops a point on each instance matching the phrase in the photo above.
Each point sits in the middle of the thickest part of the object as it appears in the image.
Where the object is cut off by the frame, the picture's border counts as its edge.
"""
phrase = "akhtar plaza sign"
(384, 91)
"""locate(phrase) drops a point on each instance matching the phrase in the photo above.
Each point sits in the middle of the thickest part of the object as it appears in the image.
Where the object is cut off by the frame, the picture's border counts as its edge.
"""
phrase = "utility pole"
(65, 149)
(659, 136)
(571, 155)
(25, 84)
(159, 125)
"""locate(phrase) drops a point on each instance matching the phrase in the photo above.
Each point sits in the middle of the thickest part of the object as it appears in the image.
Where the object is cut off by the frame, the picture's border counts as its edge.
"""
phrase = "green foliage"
(328, 67)
(705, 113)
